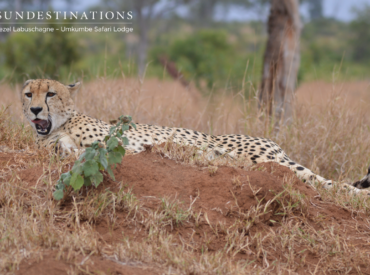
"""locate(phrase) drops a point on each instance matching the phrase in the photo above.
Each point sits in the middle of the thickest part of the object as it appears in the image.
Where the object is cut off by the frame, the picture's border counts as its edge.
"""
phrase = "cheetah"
(49, 108)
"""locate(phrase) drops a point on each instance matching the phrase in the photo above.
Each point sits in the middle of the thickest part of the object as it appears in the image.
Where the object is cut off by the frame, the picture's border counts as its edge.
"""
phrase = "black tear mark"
(46, 102)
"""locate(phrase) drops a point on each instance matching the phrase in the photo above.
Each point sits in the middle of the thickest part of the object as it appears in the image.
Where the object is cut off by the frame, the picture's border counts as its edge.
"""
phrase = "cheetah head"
(47, 104)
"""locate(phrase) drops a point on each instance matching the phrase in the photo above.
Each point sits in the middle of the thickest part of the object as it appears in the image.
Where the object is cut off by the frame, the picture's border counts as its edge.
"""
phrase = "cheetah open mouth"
(43, 127)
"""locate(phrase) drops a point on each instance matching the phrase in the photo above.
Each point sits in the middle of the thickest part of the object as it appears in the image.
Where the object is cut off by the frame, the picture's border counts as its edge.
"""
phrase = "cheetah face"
(47, 104)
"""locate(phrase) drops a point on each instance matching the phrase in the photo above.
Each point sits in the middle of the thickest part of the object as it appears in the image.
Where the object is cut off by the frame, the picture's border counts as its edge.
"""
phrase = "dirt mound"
(154, 175)
(249, 214)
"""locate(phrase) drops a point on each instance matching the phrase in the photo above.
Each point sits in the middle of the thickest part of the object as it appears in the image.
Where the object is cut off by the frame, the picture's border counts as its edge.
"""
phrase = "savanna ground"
(170, 212)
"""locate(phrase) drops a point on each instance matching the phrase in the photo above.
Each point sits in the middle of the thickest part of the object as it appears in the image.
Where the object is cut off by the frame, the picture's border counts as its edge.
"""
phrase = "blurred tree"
(203, 56)
(360, 35)
(204, 11)
(281, 60)
(145, 11)
(19, 5)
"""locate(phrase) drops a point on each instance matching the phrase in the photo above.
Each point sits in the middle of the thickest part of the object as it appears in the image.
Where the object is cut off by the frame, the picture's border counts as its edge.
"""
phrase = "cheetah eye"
(29, 95)
(50, 94)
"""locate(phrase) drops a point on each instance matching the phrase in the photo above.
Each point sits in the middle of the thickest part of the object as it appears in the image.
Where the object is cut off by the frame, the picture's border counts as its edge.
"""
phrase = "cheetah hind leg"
(309, 177)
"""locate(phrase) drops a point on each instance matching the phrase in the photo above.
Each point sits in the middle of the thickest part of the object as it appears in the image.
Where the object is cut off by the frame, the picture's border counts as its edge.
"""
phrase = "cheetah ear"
(73, 88)
(26, 83)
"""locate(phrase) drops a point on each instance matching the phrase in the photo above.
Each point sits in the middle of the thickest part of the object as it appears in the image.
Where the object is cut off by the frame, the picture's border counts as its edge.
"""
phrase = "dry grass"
(331, 138)
(330, 133)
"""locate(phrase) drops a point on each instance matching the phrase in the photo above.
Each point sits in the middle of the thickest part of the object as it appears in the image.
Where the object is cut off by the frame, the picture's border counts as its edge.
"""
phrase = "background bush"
(35, 55)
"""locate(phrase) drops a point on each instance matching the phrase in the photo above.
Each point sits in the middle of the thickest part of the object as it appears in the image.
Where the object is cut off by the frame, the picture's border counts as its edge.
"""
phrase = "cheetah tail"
(364, 182)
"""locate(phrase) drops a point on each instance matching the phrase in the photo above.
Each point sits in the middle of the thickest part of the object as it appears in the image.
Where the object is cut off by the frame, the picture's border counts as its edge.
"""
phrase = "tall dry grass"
(329, 134)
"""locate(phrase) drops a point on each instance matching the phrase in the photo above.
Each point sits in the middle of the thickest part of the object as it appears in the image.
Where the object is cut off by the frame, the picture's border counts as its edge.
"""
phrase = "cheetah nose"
(36, 110)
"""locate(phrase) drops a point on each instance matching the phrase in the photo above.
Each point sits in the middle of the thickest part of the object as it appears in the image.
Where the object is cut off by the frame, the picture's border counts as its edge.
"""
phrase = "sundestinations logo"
(65, 15)
(101, 20)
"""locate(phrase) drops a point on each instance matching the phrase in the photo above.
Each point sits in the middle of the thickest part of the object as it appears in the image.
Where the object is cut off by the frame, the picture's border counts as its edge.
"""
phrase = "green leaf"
(112, 143)
(125, 119)
(112, 130)
(125, 127)
(96, 179)
(90, 153)
(77, 181)
(65, 175)
(60, 186)
(103, 157)
(81, 157)
(58, 194)
(66, 178)
(110, 172)
(87, 181)
(106, 138)
(90, 167)
(114, 157)
(120, 150)
(133, 125)
(125, 141)
(77, 168)
(95, 145)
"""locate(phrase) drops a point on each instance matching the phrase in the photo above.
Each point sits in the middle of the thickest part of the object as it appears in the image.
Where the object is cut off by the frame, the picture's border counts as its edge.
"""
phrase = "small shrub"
(98, 157)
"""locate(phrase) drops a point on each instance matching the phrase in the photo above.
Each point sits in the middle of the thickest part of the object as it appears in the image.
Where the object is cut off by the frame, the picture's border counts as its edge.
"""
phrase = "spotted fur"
(71, 130)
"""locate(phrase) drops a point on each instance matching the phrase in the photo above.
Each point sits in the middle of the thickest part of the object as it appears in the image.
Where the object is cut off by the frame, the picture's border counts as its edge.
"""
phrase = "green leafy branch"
(98, 157)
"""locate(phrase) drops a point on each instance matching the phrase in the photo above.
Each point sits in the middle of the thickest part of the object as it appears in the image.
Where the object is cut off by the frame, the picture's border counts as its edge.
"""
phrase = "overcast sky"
(340, 9)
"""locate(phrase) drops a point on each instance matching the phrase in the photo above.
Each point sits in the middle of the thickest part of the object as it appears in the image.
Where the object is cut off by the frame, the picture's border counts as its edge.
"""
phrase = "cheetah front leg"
(67, 145)
(62, 143)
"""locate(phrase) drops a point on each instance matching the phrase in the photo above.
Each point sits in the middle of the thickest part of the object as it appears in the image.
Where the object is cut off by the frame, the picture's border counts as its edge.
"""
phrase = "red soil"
(219, 196)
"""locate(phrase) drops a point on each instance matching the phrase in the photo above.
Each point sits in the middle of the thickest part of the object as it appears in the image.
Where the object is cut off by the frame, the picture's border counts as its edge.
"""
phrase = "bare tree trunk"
(173, 71)
(315, 7)
(146, 12)
(17, 5)
(143, 44)
(206, 11)
(143, 22)
(281, 60)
